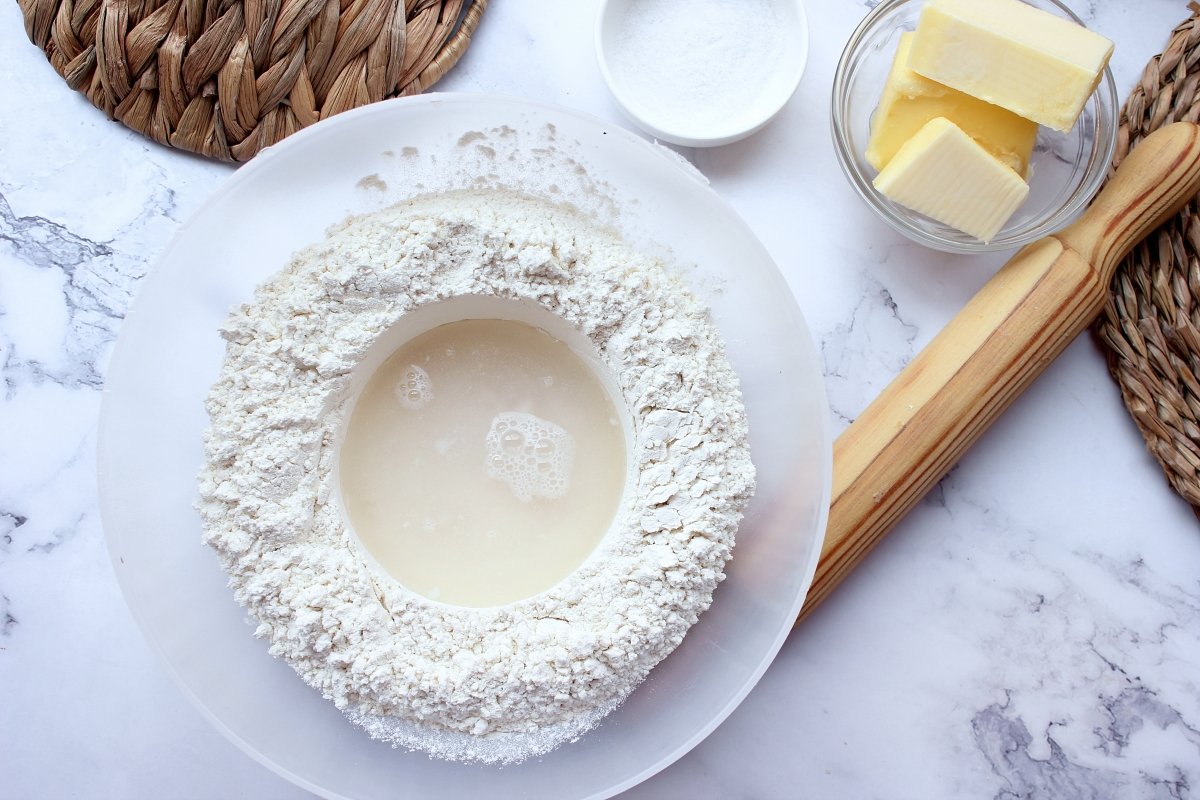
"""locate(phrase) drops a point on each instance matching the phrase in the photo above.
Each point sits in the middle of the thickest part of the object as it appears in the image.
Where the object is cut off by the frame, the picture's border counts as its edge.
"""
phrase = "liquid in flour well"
(483, 463)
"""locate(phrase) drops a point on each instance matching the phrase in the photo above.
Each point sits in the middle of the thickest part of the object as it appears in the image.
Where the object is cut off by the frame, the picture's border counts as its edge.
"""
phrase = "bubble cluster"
(532, 455)
(414, 390)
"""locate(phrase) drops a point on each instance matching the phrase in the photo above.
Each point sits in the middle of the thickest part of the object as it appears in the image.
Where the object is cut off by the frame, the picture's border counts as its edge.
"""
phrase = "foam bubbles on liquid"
(532, 455)
(414, 390)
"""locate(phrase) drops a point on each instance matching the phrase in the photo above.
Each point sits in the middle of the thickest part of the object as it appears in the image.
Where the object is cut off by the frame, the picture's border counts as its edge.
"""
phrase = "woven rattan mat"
(1150, 328)
(226, 78)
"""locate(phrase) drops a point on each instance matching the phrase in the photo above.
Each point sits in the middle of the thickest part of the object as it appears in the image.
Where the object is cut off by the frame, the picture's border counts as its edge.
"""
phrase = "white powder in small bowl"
(692, 70)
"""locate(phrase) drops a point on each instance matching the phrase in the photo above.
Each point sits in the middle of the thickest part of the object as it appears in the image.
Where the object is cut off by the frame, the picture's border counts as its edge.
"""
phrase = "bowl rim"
(1103, 151)
(605, 16)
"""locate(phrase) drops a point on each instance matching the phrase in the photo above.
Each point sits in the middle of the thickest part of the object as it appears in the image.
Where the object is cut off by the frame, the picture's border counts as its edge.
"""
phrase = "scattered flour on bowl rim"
(499, 684)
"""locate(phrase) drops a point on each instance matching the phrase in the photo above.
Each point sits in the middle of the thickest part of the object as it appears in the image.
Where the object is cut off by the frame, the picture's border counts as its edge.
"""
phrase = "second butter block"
(1013, 55)
(943, 173)
(911, 100)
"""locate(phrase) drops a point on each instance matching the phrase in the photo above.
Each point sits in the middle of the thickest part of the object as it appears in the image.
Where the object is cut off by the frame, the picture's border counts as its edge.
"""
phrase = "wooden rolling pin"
(923, 422)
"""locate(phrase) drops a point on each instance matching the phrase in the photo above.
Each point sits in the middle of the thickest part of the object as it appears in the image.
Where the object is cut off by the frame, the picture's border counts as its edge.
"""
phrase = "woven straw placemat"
(1150, 327)
(226, 78)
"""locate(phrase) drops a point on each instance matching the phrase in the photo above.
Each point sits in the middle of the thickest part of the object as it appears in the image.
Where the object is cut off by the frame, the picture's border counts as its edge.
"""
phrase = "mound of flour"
(494, 684)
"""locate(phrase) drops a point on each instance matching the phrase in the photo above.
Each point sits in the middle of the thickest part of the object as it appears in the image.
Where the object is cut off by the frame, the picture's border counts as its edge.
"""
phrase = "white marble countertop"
(1030, 630)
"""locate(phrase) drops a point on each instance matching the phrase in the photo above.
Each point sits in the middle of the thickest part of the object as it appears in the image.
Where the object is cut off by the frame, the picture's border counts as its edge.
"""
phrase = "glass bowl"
(1066, 169)
(170, 352)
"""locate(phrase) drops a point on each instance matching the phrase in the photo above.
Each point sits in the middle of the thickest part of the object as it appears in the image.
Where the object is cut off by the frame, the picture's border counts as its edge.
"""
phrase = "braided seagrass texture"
(1150, 327)
(226, 78)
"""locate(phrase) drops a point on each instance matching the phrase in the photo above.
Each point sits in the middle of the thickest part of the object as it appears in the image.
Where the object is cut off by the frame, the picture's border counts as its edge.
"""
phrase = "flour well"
(490, 684)
(497, 486)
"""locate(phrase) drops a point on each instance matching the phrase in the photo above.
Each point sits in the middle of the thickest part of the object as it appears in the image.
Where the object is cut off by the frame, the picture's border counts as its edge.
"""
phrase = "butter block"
(1013, 55)
(943, 173)
(911, 100)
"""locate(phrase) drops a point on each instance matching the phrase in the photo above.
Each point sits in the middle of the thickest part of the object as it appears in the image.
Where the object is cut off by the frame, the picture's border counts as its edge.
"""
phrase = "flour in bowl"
(488, 684)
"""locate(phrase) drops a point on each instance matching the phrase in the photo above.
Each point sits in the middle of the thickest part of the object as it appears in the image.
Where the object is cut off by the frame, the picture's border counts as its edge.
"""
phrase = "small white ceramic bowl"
(763, 96)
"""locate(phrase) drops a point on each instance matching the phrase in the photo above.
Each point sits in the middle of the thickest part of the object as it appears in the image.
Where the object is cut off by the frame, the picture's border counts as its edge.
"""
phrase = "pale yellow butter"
(1013, 55)
(943, 173)
(911, 100)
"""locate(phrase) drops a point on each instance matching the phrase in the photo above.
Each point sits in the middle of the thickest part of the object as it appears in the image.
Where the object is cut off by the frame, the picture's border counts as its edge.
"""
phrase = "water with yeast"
(482, 463)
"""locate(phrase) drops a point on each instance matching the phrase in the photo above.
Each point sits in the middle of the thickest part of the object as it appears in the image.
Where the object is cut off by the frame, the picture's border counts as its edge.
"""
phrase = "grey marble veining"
(1030, 630)
(95, 296)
